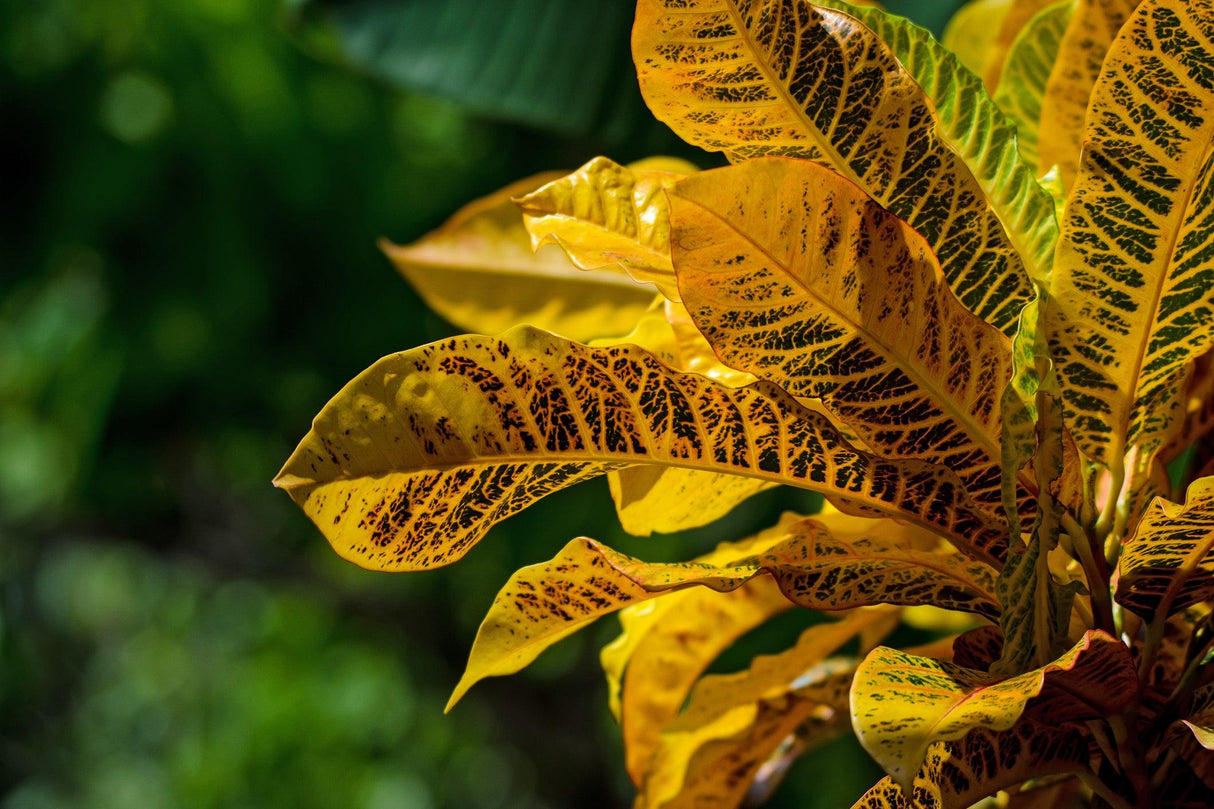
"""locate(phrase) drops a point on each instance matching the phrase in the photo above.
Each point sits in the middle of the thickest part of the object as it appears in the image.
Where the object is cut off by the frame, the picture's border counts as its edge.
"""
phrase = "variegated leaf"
(1132, 298)
(784, 77)
(1080, 56)
(412, 462)
(1026, 72)
(795, 275)
(1167, 564)
(902, 704)
(479, 272)
(606, 215)
(957, 774)
(813, 566)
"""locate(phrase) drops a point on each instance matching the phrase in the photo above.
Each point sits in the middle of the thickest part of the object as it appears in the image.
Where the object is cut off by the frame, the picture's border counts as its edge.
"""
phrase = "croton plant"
(964, 291)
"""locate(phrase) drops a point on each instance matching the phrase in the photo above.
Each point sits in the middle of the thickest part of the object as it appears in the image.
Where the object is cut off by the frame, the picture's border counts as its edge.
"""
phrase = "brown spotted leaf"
(413, 461)
(479, 271)
(1167, 564)
(957, 774)
(1132, 300)
(784, 77)
(795, 275)
(902, 704)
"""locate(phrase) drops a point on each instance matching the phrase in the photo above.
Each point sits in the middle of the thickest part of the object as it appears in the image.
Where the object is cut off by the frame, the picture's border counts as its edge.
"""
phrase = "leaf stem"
(1096, 572)
(1107, 795)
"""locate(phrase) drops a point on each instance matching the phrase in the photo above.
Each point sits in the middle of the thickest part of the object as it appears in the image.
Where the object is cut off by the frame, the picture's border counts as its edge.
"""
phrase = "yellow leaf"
(1131, 301)
(608, 215)
(971, 32)
(902, 704)
(1167, 564)
(1012, 23)
(479, 272)
(795, 275)
(1027, 71)
(1081, 53)
(415, 459)
(957, 774)
(814, 567)
(723, 77)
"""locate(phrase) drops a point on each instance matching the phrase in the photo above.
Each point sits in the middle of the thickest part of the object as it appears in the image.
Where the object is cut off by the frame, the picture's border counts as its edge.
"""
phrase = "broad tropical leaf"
(1167, 565)
(416, 458)
(1080, 56)
(813, 566)
(957, 774)
(971, 32)
(607, 215)
(1027, 71)
(789, 270)
(1132, 299)
(717, 73)
(902, 704)
(479, 272)
(1019, 15)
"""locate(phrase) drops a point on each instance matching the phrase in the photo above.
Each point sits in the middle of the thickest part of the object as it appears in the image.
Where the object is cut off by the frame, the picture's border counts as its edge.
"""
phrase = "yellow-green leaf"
(957, 774)
(415, 459)
(606, 215)
(971, 32)
(479, 272)
(783, 77)
(1167, 564)
(795, 275)
(1027, 71)
(1080, 56)
(902, 704)
(814, 567)
(1010, 26)
(1132, 298)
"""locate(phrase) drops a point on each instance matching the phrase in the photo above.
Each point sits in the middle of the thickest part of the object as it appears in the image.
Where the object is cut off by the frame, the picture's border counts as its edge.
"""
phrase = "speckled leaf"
(957, 774)
(971, 32)
(413, 461)
(1167, 565)
(902, 704)
(1026, 71)
(885, 564)
(1132, 298)
(608, 215)
(479, 272)
(792, 274)
(1080, 56)
(782, 77)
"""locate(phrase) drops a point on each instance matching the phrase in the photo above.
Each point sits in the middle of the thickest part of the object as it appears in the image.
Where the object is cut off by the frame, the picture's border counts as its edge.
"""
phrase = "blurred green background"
(192, 190)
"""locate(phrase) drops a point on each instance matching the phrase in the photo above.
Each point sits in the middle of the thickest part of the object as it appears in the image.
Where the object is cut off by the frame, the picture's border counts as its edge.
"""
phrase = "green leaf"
(413, 461)
(1132, 300)
(1027, 71)
(903, 704)
(721, 78)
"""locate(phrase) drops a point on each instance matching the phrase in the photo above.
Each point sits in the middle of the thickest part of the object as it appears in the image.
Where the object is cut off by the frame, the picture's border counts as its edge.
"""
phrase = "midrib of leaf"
(522, 270)
(960, 416)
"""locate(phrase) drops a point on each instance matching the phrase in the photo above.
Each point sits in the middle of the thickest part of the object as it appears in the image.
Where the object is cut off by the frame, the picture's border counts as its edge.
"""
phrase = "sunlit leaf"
(1018, 15)
(1026, 72)
(416, 458)
(1080, 56)
(1132, 299)
(814, 567)
(605, 215)
(717, 75)
(1167, 565)
(971, 32)
(479, 272)
(902, 704)
(956, 774)
(789, 271)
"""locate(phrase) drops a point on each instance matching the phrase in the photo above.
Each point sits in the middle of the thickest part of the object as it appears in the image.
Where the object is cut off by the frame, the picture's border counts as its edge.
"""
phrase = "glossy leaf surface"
(1132, 297)
(413, 461)
(722, 75)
